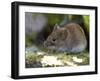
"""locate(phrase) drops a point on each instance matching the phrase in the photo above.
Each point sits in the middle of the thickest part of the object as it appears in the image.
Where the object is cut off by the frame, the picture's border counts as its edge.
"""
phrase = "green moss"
(32, 59)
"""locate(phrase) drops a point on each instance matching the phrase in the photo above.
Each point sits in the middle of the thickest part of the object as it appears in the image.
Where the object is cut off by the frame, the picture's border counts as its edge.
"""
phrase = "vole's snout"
(47, 44)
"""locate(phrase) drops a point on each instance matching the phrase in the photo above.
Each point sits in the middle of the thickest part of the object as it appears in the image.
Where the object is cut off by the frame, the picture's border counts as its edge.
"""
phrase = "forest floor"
(38, 58)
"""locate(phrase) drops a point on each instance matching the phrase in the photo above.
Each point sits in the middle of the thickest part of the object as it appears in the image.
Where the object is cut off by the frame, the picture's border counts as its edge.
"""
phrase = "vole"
(70, 38)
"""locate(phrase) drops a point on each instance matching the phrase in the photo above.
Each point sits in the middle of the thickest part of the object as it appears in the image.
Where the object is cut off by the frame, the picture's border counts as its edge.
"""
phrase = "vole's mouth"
(51, 47)
(48, 44)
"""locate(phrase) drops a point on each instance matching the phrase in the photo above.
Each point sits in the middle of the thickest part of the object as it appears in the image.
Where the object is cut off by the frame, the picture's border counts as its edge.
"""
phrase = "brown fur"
(69, 38)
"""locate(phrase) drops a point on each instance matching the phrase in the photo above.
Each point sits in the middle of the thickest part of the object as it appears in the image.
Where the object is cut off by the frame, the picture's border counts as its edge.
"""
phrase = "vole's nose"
(45, 44)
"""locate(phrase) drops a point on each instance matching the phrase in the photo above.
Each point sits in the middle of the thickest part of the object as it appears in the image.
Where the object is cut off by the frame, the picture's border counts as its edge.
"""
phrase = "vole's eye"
(54, 39)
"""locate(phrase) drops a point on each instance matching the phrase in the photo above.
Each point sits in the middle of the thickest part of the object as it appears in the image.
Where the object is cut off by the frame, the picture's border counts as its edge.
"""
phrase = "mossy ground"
(33, 60)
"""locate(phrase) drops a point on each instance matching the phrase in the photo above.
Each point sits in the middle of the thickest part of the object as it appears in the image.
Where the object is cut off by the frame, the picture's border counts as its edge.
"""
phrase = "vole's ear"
(56, 27)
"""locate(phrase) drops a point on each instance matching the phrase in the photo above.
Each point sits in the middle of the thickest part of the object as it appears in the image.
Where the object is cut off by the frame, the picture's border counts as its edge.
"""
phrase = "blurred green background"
(50, 20)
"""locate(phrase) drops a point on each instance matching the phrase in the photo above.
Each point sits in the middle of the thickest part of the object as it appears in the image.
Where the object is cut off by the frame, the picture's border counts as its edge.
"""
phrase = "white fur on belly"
(78, 48)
